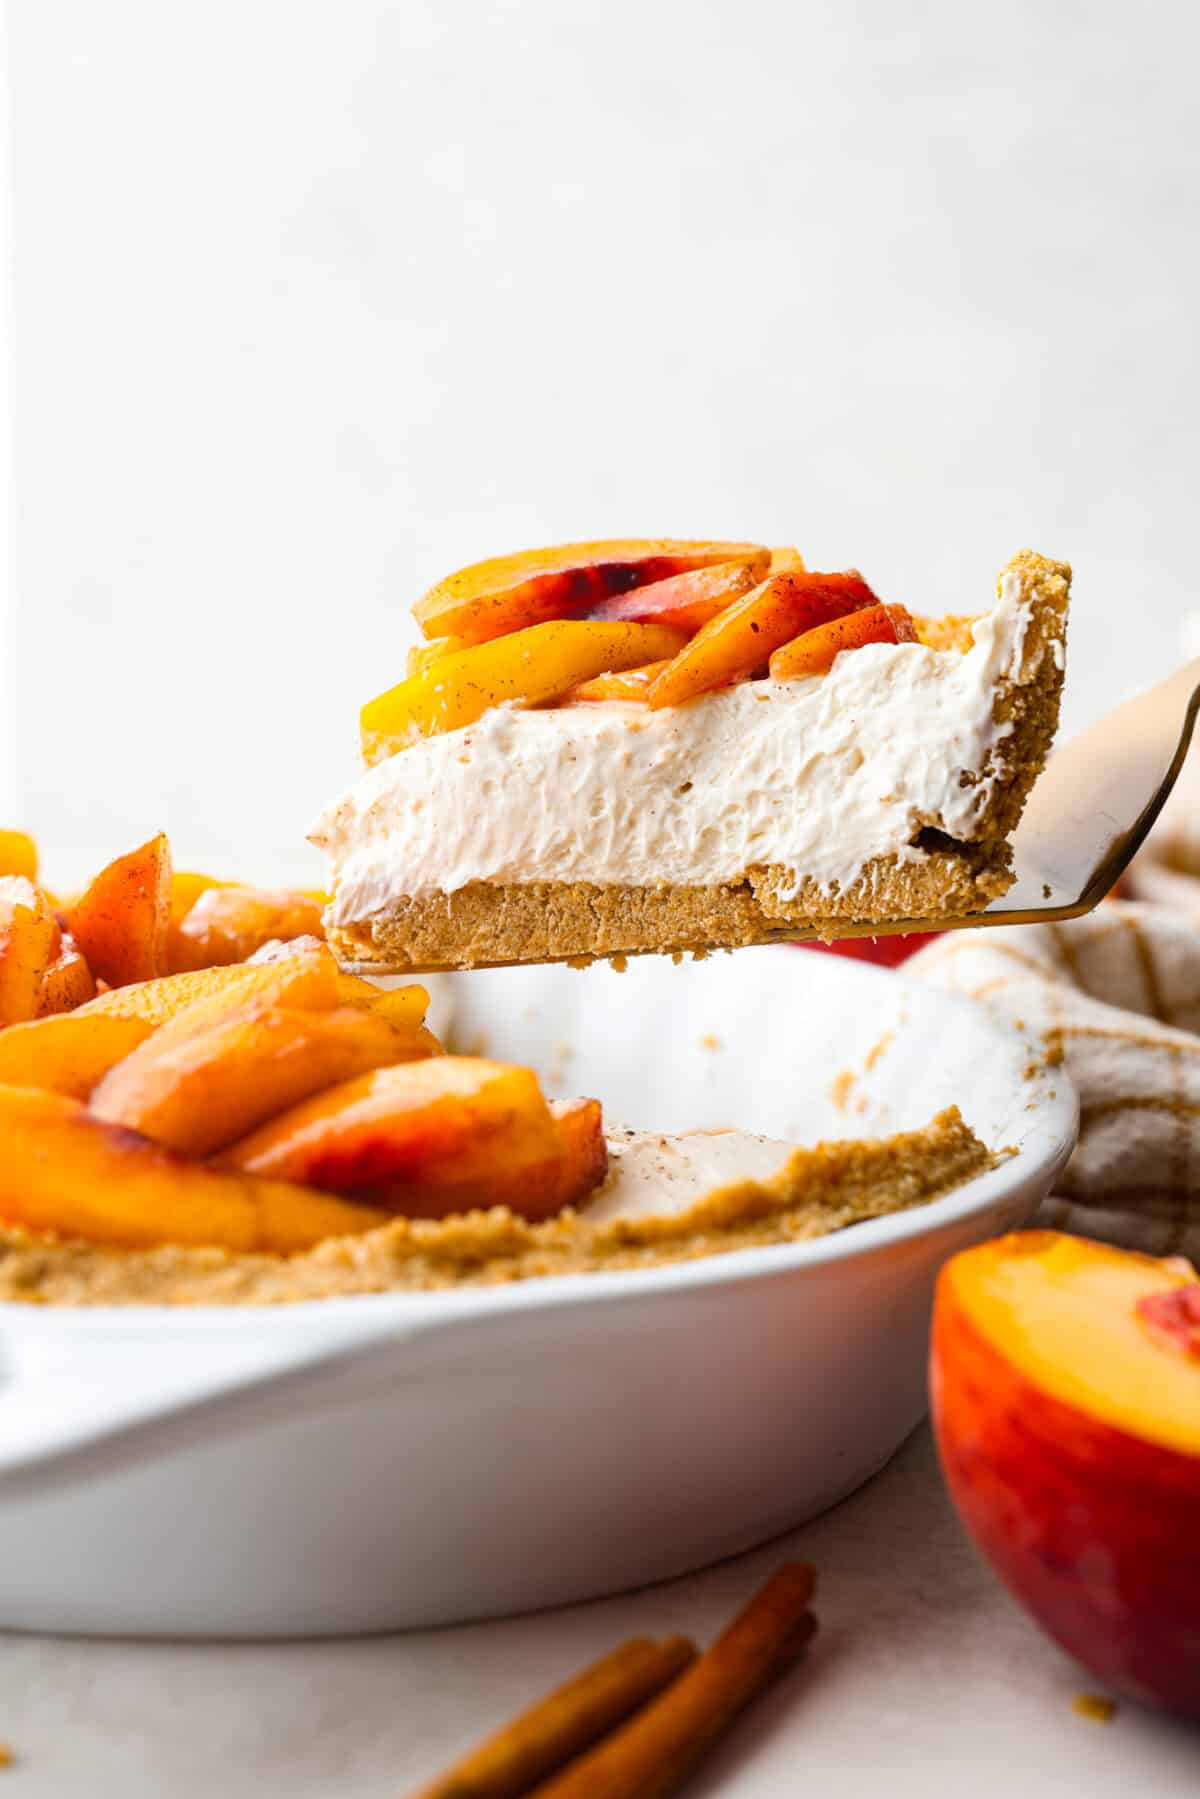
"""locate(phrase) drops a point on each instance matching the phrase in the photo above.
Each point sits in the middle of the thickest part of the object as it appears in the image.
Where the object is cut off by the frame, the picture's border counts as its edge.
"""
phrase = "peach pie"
(667, 745)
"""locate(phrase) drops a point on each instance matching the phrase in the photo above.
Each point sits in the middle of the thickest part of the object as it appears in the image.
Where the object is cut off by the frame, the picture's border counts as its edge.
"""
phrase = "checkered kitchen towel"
(1117, 995)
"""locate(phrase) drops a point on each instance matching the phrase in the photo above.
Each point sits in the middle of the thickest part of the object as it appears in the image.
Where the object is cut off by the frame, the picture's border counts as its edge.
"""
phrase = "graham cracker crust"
(488, 924)
(819, 1190)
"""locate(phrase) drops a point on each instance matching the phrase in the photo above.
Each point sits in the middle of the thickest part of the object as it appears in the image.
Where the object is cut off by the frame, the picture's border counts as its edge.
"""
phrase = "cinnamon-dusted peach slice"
(228, 924)
(455, 1119)
(30, 938)
(198, 1092)
(67, 1173)
(308, 981)
(689, 600)
(422, 656)
(509, 593)
(629, 684)
(528, 668)
(69, 1053)
(815, 652)
(18, 855)
(742, 638)
(535, 1189)
(68, 981)
(121, 921)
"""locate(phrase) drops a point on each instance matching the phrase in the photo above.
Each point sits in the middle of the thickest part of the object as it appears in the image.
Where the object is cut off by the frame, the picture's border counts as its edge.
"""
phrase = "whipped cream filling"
(815, 776)
(664, 1177)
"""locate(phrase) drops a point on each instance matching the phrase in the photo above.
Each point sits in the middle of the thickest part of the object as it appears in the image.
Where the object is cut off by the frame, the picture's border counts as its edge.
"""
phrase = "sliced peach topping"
(422, 656)
(457, 1122)
(308, 981)
(228, 924)
(68, 1173)
(689, 600)
(68, 981)
(30, 940)
(786, 560)
(509, 593)
(629, 684)
(186, 888)
(70, 1053)
(526, 668)
(121, 922)
(815, 651)
(198, 1091)
(741, 639)
(18, 855)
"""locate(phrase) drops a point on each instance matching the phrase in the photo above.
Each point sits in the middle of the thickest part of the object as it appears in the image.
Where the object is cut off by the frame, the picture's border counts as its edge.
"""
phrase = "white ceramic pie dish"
(380, 1463)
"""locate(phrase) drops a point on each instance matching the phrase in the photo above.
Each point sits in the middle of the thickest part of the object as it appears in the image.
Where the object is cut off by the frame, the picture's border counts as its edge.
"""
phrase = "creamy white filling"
(816, 776)
(663, 1177)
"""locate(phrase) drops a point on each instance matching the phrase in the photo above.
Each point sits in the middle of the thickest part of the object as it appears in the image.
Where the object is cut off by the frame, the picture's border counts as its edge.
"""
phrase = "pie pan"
(368, 1464)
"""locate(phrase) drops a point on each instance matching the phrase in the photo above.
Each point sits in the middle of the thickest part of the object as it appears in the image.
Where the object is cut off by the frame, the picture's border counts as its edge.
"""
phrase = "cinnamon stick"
(649, 1756)
(564, 1723)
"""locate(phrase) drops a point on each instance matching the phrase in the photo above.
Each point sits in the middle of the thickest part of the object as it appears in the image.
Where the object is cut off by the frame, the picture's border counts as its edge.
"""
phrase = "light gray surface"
(314, 303)
(926, 1681)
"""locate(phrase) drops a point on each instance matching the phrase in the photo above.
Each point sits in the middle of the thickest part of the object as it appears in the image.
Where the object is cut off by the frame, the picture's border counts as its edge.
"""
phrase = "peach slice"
(121, 922)
(631, 684)
(689, 600)
(69, 1053)
(186, 888)
(18, 855)
(454, 1119)
(786, 560)
(509, 593)
(528, 667)
(1067, 1414)
(200, 1091)
(742, 638)
(228, 924)
(534, 1190)
(815, 652)
(30, 939)
(308, 981)
(68, 981)
(72, 1175)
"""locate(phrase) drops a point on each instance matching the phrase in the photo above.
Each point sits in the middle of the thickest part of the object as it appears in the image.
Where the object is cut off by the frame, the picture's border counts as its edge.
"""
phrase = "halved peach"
(308, 980)
(630, 684)
(534, 1189)
(453, 1119)
(68, 982)
(121, 921)
(741, 639)
(69, 1053)
(18, 855)
(422, 656)
(228, 924)
(30, 939)
(67, 1173)
(1065, 1379)
(689, 600)
(815, 652)
(198, 1092)
(528, 668)
(509, 593)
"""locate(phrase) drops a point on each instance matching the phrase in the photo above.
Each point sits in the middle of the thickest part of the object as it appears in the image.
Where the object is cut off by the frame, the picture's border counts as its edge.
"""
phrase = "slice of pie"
(669, 746)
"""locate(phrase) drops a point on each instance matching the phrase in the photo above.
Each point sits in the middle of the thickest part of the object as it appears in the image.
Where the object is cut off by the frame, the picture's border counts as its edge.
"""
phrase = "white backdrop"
(315, 301)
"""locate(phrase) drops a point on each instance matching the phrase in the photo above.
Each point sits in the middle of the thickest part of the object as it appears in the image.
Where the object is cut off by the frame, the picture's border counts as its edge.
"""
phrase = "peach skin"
(741, 639)
(815, 652)
(509, 593)
(1066, 1404)
(122, 920)
(30, 940)
(689, 600)
(449, 1119)
(198, 1092)
(69, 1174)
